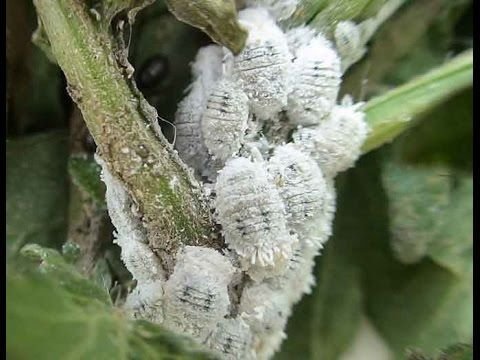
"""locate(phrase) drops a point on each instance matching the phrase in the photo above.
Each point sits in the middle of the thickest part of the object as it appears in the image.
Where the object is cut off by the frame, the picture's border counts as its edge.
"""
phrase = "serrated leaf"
(37, 190)
(43, 322)
(85, 173)
(392, 113)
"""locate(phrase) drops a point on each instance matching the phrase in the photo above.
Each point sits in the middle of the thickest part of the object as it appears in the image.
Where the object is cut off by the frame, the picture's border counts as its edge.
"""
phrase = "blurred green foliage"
(425, 305)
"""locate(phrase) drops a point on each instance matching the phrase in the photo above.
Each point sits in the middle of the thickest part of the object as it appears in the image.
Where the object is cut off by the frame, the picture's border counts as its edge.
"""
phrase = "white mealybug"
(146, 301)
(298, 278)
(252, 213)
(349, 44)
(262, 66)
(206, 70)
(314, 82)
(232, 339)
(303, 189)
(336, 143)
(224, 121)
(280, 9)
(298, 37)
(266, 311)
(196, 294)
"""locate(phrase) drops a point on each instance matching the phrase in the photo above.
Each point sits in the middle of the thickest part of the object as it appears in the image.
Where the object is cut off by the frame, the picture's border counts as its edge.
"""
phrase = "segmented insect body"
(224, 121)
(251, 213)
(314, 83)
(146, 301)
(266, 311)
(196, 294)
(348, 41)
(280, 9)
(232, 339)
(262, 66)
(335, 143)
(302, 187)
(299, 37)
(206, 70)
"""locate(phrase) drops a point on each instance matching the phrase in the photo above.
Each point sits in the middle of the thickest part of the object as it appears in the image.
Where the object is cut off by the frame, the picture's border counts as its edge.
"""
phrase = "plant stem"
(395, 111)
(123, 126)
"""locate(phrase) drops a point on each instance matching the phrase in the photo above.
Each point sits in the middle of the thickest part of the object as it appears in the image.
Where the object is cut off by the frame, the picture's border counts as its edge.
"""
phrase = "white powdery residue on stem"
(130, 234)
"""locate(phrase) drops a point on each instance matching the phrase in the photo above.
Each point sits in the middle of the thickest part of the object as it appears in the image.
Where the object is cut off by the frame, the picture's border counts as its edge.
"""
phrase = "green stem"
(395, 111)
(122, 124)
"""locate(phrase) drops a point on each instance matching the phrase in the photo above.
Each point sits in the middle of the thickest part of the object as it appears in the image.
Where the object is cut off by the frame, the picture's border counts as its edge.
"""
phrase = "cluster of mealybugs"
(272, 194)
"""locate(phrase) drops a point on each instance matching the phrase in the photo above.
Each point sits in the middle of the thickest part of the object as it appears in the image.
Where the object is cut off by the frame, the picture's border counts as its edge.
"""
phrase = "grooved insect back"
(206, 70)
(336, 143)
(224, 121)
(196, 294)
(314, 82)
(300, 183)
(252, 213)
(262, 66)
(232, 338)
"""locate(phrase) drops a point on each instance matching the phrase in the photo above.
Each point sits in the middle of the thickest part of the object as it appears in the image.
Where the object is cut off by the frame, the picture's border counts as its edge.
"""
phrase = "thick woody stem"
(123, 126)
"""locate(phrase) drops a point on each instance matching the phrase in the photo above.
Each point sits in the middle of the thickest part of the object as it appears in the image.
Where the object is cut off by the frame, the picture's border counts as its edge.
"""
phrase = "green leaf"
(217, 18)
(453, 245)
(37, 190)
(52, 264)
(431, 214)
(455, 352)
(422, 305)
(392, 113)
(85, 173)
(43, 322)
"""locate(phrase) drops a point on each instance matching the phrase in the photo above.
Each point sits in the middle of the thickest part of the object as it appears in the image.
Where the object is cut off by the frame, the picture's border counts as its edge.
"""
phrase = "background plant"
(416, 293)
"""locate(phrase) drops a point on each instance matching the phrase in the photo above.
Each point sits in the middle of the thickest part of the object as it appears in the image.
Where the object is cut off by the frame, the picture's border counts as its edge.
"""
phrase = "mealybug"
(266, 311)
(252, 213)
(262, 66)
(314, 82)
(348, 41)
(280, 9)
(196, 294)
(302, 187)
(232, 339)
(146, 301)
(224, 121)
(206, 71)
(336, 142)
